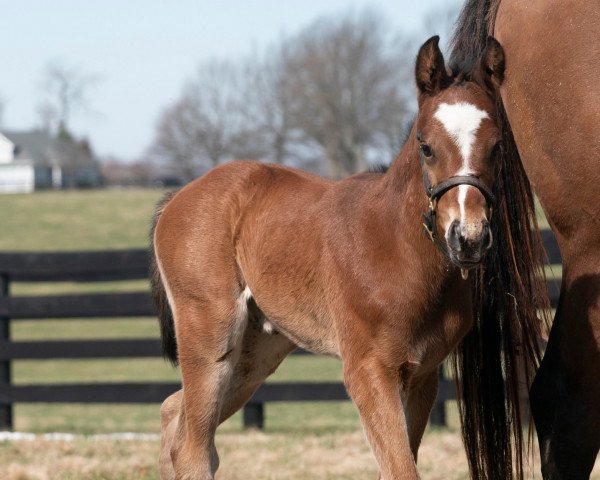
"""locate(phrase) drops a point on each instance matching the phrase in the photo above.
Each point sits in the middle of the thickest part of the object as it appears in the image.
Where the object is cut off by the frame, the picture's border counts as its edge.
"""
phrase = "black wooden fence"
(125, 265)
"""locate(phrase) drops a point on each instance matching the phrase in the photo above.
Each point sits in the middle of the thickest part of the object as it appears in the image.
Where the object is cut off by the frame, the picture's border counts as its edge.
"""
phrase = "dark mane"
(461, 71)
(474, 24)
(501, 352)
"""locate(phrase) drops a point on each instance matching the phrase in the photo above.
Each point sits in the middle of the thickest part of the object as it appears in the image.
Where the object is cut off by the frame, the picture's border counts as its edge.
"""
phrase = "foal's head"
(458, 139)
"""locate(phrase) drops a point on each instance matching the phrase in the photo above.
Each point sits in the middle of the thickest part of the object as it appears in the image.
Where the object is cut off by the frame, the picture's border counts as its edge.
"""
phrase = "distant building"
(34, 160)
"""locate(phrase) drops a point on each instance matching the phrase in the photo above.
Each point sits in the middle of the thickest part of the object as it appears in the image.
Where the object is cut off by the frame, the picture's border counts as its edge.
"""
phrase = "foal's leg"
(418, 407)
(260, 355)
(169, 418)
(374, 387)
(209, 340)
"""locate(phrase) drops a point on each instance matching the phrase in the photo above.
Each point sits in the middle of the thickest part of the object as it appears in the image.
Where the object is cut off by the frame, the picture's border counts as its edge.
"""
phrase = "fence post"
(6, 410)
(438, 412)
(254, 415)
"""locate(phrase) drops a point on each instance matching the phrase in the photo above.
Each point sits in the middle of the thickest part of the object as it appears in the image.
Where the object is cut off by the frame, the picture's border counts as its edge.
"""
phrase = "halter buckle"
(433, 203)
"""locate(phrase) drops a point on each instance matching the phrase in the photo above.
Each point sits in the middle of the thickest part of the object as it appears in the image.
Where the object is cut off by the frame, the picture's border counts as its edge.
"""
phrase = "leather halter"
(435, 192)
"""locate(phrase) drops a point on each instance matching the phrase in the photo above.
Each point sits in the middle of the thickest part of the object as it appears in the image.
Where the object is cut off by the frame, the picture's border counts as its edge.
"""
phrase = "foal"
(254, 260)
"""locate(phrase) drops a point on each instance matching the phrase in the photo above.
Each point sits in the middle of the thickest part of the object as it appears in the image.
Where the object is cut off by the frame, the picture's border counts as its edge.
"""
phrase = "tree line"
(332, 98)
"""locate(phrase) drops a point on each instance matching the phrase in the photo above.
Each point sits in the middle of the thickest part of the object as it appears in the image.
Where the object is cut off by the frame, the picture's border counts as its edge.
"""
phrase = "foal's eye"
(426, 150)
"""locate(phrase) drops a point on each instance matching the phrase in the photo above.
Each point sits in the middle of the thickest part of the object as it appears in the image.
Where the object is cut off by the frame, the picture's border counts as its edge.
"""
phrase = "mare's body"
(551, 95)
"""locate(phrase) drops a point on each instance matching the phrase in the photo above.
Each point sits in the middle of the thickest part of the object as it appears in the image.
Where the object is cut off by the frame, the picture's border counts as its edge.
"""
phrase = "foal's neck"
(403, 183)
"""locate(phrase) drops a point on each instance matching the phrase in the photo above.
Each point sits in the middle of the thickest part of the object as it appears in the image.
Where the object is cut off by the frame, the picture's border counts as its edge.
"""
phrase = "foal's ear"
(430, 70)
(492, 64)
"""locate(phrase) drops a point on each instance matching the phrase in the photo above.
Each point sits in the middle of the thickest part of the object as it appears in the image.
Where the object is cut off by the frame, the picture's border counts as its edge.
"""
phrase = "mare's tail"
(159, 295)
(498, 357)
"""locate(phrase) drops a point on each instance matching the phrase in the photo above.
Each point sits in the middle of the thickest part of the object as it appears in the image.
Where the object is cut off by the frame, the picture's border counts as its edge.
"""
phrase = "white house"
(34, 160)
(28, 160)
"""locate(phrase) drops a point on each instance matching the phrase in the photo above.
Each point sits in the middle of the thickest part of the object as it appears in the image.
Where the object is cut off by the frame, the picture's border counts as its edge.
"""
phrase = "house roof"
(34, 145)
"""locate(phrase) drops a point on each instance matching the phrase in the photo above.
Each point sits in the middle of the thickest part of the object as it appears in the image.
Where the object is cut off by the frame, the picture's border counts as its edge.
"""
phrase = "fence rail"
(128, 265)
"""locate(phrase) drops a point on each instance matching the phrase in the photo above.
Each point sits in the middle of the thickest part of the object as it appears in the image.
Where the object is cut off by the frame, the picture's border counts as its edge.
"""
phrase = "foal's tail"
(159, 294)
(498, 357)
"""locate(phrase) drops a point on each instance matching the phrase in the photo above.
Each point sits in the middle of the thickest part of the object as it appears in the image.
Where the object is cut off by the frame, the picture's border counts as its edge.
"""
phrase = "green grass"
(77, 220)
(314, 416)
(57, 288)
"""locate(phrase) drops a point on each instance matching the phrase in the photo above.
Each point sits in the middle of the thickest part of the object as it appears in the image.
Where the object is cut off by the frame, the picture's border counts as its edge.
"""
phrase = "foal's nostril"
(455, 236)
(486, 236)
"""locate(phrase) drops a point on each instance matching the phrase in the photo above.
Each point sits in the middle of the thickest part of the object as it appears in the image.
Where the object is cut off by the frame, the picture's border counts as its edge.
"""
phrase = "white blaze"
(461, 121)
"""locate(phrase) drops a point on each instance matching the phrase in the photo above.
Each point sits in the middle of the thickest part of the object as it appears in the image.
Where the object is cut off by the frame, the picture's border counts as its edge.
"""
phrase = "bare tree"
(336, 90)
(267, 104)
(347, 88)
(66, 90)
(206, 125)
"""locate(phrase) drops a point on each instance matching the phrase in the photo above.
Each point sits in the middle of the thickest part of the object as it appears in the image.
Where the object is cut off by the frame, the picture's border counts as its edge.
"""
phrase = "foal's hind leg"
(169, 419)
(209, 341)
(260, 355)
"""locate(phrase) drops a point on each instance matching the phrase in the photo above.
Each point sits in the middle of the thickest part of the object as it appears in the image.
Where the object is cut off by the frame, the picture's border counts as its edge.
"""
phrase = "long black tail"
(159, 295)
(499, 355)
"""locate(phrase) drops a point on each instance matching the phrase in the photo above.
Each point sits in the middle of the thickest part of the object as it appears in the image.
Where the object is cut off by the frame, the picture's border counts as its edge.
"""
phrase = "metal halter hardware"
(435, 193)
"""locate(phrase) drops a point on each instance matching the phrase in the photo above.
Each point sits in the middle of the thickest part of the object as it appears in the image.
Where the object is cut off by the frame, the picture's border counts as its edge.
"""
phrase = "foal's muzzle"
(467, 248)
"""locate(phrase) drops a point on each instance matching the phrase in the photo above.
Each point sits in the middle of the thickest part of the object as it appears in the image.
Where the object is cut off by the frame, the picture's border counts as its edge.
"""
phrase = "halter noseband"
(434, 193)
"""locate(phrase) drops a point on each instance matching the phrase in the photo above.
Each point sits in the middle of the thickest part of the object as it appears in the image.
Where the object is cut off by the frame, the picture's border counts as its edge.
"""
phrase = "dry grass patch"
(247, 456)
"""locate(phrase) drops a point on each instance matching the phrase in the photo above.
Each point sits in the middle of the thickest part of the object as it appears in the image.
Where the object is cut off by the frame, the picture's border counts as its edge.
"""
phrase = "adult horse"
(253, 260)
(551, 98)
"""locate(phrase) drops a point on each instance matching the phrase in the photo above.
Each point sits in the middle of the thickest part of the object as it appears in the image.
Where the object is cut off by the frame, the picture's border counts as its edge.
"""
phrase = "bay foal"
(253, 260)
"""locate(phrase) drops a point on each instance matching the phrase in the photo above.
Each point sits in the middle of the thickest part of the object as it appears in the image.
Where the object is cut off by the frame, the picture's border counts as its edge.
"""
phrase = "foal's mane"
(498, 357)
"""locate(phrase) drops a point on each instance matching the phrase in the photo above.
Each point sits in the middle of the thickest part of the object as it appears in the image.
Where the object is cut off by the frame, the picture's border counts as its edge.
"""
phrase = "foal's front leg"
(374, 387)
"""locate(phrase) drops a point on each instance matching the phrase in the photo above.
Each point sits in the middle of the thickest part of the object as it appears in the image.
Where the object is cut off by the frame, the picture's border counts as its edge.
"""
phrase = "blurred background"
(104, 106)
(147, 93)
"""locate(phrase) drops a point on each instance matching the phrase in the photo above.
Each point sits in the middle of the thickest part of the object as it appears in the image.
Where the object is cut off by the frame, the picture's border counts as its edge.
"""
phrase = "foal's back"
(263, 227)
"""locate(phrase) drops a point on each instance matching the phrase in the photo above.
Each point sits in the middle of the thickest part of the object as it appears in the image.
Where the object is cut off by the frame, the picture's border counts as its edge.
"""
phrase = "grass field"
(77, 220)
(301, 440)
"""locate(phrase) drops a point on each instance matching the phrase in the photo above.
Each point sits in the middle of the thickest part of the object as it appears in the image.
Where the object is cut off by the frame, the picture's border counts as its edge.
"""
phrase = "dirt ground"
(245, 456)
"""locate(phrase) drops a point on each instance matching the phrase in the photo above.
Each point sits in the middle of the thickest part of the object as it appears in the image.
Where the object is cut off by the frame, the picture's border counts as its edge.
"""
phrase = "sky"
(141, 52)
